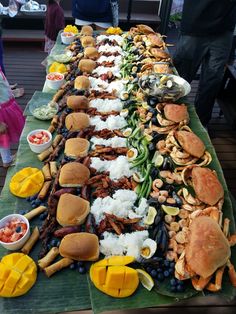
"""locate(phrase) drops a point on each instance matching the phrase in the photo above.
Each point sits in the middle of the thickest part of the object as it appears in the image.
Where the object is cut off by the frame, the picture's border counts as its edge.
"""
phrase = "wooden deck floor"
(23, 66)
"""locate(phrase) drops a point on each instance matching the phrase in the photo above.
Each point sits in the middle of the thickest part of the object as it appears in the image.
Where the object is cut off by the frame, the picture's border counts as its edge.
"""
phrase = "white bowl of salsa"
(67, 37)
(14, 231)
(39, 140)
(54, 80)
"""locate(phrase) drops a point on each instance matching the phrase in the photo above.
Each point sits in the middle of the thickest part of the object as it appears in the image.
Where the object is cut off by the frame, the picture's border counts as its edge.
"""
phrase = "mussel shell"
(157, 137)
(152, 101)
(167, 164)
(177, 199)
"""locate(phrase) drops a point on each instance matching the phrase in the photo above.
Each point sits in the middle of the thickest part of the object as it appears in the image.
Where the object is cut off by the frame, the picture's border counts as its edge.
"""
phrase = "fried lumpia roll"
(32, 240)
(48, 258)
(52, 269)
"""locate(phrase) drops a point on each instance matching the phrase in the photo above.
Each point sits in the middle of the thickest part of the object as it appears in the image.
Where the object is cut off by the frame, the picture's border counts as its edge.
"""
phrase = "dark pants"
(1, 55)
(212, 53)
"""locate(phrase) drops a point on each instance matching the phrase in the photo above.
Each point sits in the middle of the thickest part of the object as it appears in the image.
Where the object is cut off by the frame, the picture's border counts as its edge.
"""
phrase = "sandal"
(18, 92)
(13, 86)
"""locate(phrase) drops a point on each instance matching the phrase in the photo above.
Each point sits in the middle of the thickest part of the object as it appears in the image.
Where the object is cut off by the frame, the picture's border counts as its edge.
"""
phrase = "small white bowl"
(67, 37)
(54, 80)
(13, 246)
(39, 148)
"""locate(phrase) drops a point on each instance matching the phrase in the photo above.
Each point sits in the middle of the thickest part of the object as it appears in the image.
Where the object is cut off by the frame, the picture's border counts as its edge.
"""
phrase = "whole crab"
(205, 183)
(156, 54)
(149, 68)
(170, 117)
(185, 148)
(206, 252)
(141, 29)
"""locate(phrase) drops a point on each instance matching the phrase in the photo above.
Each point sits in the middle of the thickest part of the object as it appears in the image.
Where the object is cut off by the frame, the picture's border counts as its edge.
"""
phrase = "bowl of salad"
(44, 111)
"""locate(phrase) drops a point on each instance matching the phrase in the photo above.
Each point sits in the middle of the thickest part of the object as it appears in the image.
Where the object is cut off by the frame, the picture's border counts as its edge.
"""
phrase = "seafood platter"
(129, 194)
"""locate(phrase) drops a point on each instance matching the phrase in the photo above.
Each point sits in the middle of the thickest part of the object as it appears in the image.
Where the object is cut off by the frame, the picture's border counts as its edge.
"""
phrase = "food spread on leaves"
(140, 182)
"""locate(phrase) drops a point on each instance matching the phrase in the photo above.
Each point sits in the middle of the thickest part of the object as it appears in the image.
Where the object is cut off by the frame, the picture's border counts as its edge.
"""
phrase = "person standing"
(1, 48)
(88, 12)
(205, 39)
(54, 22)
(11, 121)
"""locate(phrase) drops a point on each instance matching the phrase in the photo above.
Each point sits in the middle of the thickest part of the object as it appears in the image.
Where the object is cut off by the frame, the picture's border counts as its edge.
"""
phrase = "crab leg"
(232, 239)
(200, 283)
(218, 280)
(226, 227)
(232, 273)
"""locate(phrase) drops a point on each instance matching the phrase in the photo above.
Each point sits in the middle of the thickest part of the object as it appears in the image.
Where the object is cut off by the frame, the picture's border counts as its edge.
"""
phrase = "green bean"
(145, 183)
(147, 192)
(135, 131)
(139, 162)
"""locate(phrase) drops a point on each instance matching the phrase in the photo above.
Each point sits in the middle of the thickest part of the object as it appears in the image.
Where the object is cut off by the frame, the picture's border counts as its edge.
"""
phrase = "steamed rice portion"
(111, 123)
(116, 59)
(111, 49)
(106, 105)
(117, 86)
(121, 204)
(113, 142)
(103, 70)
(117, 168)
(124, 244)
(117, 38)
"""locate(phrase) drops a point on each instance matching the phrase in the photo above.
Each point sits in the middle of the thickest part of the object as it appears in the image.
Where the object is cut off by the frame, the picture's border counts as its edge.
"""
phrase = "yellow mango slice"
(120, 260)
(99, 275)
(27, 182)
(131, 279)
(112, 277)
(115, 277)
(18, 273)
(57, 67)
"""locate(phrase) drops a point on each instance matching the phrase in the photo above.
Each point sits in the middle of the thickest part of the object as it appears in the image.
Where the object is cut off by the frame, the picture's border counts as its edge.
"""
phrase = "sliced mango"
(57, 67)
(18, 273)
(27, 182)
(112, 277)
(120, 260)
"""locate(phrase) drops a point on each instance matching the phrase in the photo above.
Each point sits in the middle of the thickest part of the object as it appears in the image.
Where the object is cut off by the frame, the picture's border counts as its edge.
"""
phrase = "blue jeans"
(1, 56)
(212, 53)
(5, 155)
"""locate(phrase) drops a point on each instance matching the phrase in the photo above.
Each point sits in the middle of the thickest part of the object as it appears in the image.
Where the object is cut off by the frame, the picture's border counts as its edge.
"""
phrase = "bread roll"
(76, 147)
(77, 102)
(91, 53)
(77, 121)
(73, 174)
(87, 41)
(87, 65)
(82, 82)
(81, 246)
(86, 30)
(72, 210)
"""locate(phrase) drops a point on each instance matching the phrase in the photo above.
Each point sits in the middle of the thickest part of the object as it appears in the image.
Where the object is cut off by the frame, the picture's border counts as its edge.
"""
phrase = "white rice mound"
(106, 105)
(113, 142)
(121, 204)
(118, 168)
(111, 123)
(125, 244)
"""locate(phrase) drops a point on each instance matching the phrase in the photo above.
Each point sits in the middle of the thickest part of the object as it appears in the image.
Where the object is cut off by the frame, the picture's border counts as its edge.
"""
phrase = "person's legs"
(188, 56)
(212, 73)
(6, 156)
